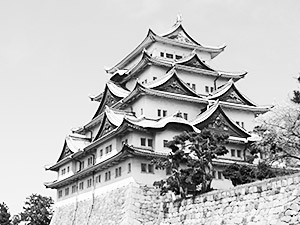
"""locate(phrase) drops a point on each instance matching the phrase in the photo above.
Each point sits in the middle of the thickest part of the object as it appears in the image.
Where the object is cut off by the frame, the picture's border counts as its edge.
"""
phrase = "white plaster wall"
(156, 48)
(201, 80)
(61, 176)
(230, 146)
(102, 146)
(146, 178)
(148, 73)
(168, 135)
(241, 115)
(150, 105)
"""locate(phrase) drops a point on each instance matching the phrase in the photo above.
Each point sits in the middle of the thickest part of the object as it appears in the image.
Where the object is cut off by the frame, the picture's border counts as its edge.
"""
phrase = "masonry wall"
(270, 202)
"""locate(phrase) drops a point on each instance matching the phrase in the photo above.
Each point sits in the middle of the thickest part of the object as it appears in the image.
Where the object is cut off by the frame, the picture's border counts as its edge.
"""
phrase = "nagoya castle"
(163, 87)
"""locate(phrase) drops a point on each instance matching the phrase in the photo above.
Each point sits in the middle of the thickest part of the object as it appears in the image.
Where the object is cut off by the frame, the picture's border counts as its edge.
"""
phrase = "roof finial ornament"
(179, 19)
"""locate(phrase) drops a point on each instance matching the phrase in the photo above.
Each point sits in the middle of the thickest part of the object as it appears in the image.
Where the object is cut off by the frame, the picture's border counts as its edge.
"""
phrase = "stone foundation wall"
(270, 202)
(131, 204)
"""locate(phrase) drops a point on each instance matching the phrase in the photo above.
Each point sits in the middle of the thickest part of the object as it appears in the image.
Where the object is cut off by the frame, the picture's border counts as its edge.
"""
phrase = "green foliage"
(243, 174)
(190, 161)
(4, 214)
(37, 210)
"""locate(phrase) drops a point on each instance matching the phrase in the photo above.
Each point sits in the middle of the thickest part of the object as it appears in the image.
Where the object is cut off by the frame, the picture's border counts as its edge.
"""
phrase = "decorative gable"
(181, 37)
(174, 85)
(108, 99)
(233, 96)
(65, 152)
(220, 123)
(196, 62)
(105, 128)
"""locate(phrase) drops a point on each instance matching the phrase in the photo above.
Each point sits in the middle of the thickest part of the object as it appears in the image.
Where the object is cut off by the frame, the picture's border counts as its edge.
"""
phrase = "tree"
(279, 132)
(190, 161)
(296, 97)
(37, 210)
(4, 214)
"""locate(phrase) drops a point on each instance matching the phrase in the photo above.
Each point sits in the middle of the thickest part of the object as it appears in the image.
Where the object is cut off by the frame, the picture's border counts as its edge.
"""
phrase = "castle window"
(211, 89)
(154, 78)
(220, 175)
(162, 54)
(144, 167)
(63, 171)
(81, 186)
(237, 122)
(158, 112)
(194, 86)
(206, 89)
(233, 152)
(143, 141)
(129, 167)
(185, 116)
(178, 56)
(242, 124)
(107, 176)
(142, 112)
(188, 84)
(74, 189)
(239, 153)
(169, 55)
(90, 161)
(108, 149)
(101, 152)
(59, 193)
(150, 168)
(89, 182)
(66, 191)
(118, 171)
(81, 165)
(165, 143)
(164, 113)
(98, 179)
(214, 174)
(68, 169)
(147, 168)
(150, 142)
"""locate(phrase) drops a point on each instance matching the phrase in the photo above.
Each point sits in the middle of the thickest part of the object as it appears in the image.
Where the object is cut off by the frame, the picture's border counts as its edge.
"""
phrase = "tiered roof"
(191, 63)
(111, 120)
(176, 36)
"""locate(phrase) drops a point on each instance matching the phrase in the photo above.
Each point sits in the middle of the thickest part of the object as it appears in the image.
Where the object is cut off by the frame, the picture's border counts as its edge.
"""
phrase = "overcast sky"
(52, 55)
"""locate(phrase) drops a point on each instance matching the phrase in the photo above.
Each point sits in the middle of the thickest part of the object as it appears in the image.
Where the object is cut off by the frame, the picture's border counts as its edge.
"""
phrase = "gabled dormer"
(215, 119)
(229, 93)
(173, 84)
(194, 61)
(111, 120)
(111, 95)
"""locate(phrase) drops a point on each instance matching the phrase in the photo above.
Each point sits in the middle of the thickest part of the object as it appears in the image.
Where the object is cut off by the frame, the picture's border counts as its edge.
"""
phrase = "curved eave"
(233, 75)
(164, 79)
(207, 114)
(213, 51)
(149, 39)
(126, 152)
(194, 56)
(56, 166)
(224, 90)
(143, 91)
(258, 109)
